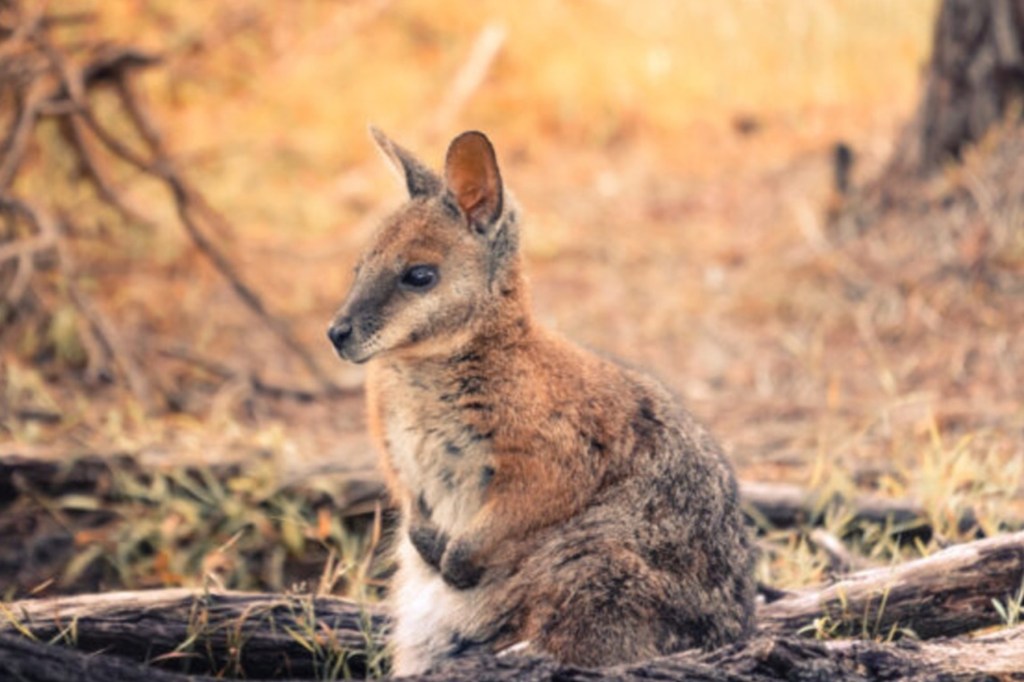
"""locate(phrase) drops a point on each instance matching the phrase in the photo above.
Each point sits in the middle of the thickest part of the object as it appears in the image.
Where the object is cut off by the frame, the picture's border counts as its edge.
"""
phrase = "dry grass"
(673, 164)
(225, 527)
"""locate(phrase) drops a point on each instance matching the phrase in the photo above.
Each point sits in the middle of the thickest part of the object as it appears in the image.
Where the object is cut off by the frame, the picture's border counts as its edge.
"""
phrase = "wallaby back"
(547, 495)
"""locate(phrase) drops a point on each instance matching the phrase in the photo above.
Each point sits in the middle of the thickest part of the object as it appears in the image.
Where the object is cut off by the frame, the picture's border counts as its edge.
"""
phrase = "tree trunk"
(974, 78)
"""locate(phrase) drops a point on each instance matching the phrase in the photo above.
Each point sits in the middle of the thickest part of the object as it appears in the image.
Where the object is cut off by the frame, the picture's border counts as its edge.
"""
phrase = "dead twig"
(97, 176)
(98, 331)
(23, 251)
(243, 290)
(17, 139)
(472, 74)
(185, 201)
(53, 87)
(23, 247)
(840, 560)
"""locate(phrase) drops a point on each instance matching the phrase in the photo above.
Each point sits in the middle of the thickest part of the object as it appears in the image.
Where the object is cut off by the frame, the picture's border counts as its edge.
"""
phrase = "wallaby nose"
(339, 332)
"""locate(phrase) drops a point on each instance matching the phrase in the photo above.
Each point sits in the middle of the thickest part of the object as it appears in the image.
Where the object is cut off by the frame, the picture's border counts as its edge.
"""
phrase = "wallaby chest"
(438, 431)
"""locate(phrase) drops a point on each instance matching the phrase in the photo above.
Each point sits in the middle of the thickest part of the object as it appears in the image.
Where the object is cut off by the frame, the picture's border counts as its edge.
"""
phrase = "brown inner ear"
(471, 172)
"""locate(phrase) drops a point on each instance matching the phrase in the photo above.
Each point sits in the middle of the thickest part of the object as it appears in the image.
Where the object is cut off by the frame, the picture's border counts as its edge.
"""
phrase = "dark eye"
(419, 277)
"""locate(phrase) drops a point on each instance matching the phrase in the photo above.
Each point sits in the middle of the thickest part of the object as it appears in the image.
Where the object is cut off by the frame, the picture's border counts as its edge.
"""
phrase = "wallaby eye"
(419, 277)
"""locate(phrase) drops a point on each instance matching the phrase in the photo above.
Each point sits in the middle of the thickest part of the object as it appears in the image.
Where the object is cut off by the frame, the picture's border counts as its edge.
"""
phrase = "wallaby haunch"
(549, 498)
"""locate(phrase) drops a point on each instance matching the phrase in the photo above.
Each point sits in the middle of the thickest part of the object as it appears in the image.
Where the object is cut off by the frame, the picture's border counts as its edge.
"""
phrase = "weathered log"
(784, 505)
(770, 659)
(764, 659)
(27, 660)
(948, 593)
(88, 474)
(238, 633)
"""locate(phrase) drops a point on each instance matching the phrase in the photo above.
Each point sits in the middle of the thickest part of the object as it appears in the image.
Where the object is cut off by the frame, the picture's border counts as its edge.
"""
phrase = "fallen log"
(773, 659)
(784, 505)
(52, 476)
(357, 489)
(948, 593)
(27, 660)
(236, 633)
(263, 635)
(763, 659)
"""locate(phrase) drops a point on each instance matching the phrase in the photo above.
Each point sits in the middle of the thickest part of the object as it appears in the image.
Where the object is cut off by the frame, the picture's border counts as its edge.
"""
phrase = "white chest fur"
(429, 615)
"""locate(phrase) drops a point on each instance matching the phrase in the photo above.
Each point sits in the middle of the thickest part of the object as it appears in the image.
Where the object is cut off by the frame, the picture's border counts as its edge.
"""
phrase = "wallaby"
(550, 499)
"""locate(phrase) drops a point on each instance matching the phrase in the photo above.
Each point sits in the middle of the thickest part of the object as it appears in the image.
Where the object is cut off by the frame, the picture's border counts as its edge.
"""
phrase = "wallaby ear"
(419, 180)
(471, 173)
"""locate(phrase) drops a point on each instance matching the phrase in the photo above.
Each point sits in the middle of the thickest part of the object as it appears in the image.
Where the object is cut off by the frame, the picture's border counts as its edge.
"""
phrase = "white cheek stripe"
(512, 650)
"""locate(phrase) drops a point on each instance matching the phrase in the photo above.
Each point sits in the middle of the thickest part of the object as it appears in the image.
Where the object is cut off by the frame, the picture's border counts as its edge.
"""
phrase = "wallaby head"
(439, 267)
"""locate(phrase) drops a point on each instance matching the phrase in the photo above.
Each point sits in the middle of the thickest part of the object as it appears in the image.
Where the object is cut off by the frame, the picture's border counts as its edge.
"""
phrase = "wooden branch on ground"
(773, 659)
(949, 593)
(28, 660)
(762, 659)
(783, 505)
(53, 476)
(258, 635)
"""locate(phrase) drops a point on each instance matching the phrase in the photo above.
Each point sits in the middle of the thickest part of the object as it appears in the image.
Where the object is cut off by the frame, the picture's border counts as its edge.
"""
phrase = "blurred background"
(709, 194)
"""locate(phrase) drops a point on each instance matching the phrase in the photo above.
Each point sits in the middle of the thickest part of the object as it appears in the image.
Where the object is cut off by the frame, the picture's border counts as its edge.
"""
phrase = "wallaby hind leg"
(604, 606)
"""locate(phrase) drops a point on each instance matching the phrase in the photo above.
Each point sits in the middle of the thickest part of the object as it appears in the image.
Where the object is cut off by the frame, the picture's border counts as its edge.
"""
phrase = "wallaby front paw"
(429, 542)
(458, 568)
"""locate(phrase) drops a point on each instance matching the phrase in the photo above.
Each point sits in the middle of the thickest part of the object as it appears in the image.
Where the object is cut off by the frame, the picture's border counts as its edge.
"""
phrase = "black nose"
(339, 332)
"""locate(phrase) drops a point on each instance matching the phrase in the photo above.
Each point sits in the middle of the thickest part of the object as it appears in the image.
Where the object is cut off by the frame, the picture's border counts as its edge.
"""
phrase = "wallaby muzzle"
(340, 332)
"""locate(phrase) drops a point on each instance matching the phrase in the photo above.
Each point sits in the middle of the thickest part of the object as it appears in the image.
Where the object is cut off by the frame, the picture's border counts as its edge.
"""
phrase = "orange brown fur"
(548, 495)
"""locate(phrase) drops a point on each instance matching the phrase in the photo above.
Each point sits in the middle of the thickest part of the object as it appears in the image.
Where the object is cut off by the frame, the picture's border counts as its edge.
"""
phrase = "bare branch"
(99, 326)
(17, 140)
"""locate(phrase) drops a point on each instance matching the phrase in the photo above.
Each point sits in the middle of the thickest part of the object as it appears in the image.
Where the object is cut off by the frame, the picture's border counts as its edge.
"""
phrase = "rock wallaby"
(549, 498)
